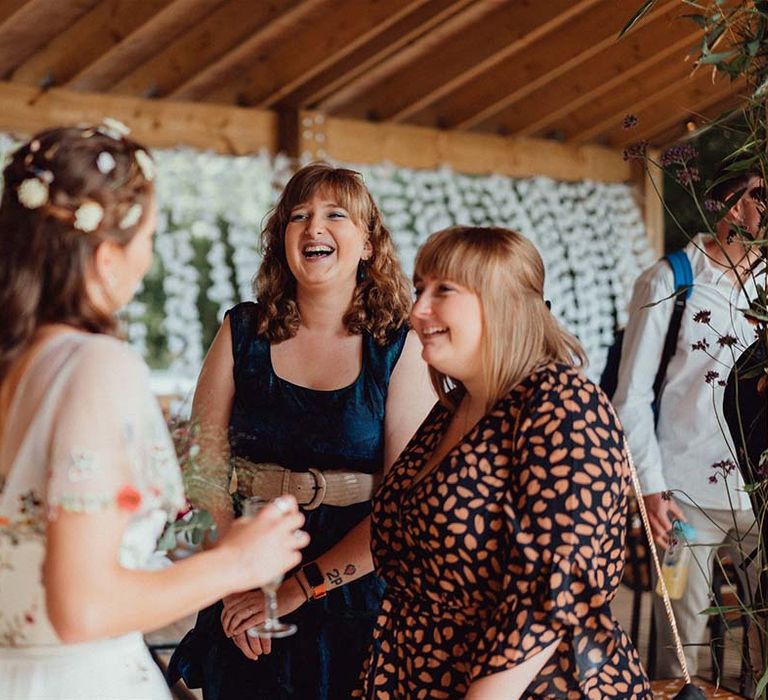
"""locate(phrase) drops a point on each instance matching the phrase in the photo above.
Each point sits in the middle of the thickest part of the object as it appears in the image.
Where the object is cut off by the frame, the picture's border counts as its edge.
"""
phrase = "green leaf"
(644, 9)
(761, 684)
(753, 47)
(698, 20)
(719, 57)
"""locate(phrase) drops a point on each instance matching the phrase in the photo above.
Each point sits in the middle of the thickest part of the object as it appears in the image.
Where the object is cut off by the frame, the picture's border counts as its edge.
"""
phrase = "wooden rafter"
(427, 19)
(9, 7)
(586, 36)
(32, 25)
(150, 37)
(204, 43)
(666, 94)
(288, 62)
(238, 58)
(157, 123)
(690, 103)
(701, 117)
(406, 62)
(95, 33)
(358, 141)
(653, 47)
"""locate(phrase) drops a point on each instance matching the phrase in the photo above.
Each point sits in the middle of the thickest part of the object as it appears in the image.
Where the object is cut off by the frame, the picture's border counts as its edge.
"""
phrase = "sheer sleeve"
(109, 446)
(565, 517)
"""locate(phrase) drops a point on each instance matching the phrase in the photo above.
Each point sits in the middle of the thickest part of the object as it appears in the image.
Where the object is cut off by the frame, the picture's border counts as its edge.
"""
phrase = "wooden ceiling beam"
(33, 25)
(677, 104)
(386, 47)
(240, 57)
(585, 37)
(652, 47)
(657, 91)
(702, 118)
(203, 44)
(695, 104)
(289, 61)
(490, 32)
(609, 109)
(10, 7)
(158, 123)
(357, 141)
(95, 33)
(141, 44)
(407, 61)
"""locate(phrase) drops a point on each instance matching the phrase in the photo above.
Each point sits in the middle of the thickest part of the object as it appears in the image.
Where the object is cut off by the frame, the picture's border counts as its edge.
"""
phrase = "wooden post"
(653, 201)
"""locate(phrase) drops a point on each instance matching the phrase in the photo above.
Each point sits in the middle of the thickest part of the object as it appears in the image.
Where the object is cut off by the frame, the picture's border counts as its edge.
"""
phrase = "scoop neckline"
(289, 383)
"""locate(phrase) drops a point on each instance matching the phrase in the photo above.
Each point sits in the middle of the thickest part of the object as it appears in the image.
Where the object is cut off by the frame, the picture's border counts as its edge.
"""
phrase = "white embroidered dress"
(83, 433)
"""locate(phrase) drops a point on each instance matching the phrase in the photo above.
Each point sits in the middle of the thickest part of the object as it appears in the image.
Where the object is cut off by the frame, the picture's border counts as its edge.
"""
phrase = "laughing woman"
(499, 531)
(319, 386)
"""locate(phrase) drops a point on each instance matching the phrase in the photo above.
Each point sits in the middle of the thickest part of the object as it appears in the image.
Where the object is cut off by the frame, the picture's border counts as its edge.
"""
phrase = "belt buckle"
(321, 487)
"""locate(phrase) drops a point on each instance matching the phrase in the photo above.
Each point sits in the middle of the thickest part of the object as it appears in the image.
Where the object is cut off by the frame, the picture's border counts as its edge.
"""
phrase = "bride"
(88, 477)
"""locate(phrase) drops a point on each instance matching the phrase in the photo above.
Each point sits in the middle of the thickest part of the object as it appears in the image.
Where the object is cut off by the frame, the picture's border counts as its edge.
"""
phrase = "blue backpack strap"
(681, 269)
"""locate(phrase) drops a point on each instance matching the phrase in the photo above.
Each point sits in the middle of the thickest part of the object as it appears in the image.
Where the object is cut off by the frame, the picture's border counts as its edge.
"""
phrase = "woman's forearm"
(349, 559)
(122, 600)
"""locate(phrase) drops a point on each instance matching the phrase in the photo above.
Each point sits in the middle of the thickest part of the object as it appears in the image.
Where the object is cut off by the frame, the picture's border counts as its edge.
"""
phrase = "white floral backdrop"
(590, 234)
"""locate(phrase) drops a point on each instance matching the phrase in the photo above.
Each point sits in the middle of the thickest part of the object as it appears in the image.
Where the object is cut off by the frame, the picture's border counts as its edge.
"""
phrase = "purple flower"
(666, 495)
(710, 376)
(713, 479)
(712, 205)
(687, 176)
(636, 151)
(630, 122)
(702, 316)
(680, 154)
(725, 466)
(727, 341)
(702, 344)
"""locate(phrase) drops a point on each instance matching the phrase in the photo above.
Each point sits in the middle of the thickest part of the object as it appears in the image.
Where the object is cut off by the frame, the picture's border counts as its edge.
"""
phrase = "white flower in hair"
(88, 216)
(146, 165)
(33, 193)
(105, 162)
(131, 217)
(113, 128)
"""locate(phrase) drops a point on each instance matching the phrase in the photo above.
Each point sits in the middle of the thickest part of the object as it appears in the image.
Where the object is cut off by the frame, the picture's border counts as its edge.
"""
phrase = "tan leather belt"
(311, 488)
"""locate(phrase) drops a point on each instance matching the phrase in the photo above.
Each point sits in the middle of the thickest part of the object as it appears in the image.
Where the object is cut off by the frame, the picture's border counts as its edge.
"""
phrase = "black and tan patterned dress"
(516, 538)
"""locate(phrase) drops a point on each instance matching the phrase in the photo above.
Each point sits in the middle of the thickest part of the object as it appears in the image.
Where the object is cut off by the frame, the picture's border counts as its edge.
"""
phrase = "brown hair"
(506, 272)
(44, 250)
(381, 301)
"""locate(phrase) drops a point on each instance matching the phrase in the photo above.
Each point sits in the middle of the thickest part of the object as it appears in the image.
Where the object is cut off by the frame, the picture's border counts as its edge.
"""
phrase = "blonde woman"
(499, 530)
(319, 386)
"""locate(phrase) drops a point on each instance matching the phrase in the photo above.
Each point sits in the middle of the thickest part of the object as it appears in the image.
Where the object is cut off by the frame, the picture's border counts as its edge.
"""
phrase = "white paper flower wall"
(211, 209)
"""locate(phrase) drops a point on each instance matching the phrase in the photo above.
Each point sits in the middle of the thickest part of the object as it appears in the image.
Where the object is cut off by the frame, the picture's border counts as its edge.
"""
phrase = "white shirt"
(692, 434)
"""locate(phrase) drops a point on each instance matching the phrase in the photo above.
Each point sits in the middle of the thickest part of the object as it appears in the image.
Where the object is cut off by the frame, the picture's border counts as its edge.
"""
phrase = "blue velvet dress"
(276, 421)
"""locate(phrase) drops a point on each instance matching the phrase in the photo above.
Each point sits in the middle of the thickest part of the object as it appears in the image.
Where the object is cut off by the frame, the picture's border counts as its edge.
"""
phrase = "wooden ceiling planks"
(455, 62)
(586, 35)
(663, 39)
(521, 68)
(388, 47)
(142, 44)
(281, 67)
(32, 25)
(208, 41)
(94, 33)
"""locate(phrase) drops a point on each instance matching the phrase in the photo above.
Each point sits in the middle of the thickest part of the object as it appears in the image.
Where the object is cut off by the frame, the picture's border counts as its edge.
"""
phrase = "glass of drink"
(272, 625)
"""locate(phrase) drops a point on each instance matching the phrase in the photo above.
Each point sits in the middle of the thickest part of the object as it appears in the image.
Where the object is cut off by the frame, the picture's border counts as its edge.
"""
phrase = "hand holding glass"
(272, 625)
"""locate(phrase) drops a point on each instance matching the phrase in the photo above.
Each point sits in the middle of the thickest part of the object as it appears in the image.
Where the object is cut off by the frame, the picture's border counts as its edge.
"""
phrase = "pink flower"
(128, 498)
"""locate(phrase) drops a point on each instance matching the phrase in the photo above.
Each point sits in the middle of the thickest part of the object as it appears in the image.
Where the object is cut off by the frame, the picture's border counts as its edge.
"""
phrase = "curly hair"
(45, 248)
(381, 301)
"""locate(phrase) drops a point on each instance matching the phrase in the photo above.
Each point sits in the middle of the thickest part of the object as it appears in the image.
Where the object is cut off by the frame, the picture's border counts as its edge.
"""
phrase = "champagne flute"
(272, 625)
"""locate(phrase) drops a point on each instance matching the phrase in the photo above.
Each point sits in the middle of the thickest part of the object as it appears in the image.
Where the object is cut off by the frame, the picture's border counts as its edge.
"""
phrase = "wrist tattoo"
(349, 570)
(334, 577)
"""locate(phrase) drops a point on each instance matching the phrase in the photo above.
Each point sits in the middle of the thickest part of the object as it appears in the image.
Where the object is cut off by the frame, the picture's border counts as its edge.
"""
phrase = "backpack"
(683, 280)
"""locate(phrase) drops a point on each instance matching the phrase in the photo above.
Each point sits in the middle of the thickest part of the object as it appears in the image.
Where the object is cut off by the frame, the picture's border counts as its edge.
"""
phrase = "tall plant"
(734, 43)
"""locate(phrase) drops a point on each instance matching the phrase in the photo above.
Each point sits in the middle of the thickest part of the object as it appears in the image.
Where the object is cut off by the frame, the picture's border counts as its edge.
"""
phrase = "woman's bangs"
(450, 257)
